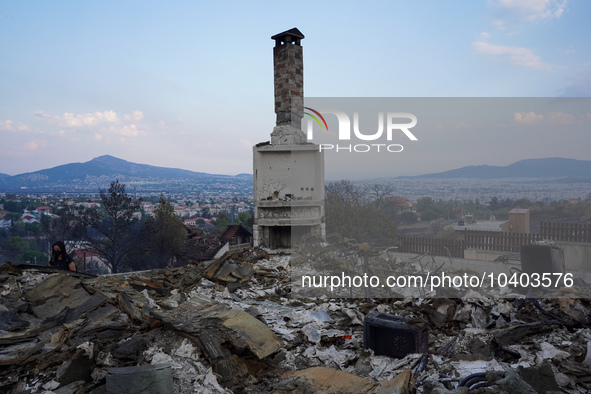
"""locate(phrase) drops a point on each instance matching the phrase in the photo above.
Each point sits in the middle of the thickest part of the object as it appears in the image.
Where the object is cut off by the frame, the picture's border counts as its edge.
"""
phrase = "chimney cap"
(291, 36)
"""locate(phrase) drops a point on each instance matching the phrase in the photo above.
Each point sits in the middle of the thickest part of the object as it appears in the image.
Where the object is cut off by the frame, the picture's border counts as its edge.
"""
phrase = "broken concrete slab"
(60, 285)
(258, 337)
(509, 381)
(540, 377)
(323, 379)
(403, 383)
(329, 380)
(87, 306)
(147, 379)
(205, 320)
(217, 329)
(68, 297)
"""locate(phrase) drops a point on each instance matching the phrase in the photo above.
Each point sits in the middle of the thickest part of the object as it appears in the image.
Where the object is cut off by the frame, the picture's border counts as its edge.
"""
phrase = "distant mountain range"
(101, 171)
(554, 167)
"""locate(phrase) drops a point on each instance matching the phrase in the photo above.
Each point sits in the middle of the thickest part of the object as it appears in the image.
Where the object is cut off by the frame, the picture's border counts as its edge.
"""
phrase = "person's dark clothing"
(63, 264)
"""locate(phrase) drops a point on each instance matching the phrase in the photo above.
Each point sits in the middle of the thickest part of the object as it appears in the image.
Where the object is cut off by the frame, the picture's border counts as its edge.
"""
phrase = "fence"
(501, 242)
(435, 246)
(573, 232)
(495, 241)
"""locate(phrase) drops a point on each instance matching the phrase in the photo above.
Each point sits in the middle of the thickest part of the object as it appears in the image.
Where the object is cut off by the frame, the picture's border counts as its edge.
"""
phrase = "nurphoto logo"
(391, 124)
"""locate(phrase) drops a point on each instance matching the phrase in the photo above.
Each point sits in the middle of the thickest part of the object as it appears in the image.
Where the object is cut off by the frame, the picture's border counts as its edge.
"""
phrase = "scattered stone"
(131, 348)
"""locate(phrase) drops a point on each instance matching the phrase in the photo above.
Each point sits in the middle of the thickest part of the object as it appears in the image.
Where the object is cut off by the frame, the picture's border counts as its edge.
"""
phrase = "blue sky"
(189, 84)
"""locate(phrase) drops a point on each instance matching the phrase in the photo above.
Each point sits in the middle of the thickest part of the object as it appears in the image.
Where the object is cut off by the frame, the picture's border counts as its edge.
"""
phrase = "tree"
(221, 222)
(429, 209)
(166, 234)
(14, 206)
(246, 220)
(61, 227)
(15, 247)
(112, 230)
(408, 218)
(348, 213)
(34, 256)
(494, 203)
(345, 191)
(381, 191)
(12, 216)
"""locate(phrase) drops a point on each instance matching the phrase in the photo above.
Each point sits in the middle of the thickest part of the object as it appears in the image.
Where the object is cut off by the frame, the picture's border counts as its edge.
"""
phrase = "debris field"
(232, 325)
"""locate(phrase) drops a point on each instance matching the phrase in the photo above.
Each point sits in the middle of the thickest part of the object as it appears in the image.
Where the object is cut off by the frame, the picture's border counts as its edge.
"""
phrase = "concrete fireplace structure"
(288, 171)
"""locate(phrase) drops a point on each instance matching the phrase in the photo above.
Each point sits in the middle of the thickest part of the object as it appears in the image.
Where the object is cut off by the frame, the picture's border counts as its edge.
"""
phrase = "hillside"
(554, 167)
(100, 171)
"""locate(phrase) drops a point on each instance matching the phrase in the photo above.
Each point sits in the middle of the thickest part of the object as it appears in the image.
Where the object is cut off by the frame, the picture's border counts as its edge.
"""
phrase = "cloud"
(99, 124)
(517, 56)
(69, 120)
(461, 126)
(26, 127)
(130, 130)
(560, 118)
(528, 10)
(6, 125)
(579, 85)
(528, 118)
(485, 35)
(36, 144)
(135, 116)
(60, 133)
(551, 118)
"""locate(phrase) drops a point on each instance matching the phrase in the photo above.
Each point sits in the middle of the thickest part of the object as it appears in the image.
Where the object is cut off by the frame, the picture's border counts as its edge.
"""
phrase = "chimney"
(288, 68)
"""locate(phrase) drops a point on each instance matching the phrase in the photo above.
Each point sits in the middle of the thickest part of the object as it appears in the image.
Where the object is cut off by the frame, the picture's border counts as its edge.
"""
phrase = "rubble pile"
(231, 325)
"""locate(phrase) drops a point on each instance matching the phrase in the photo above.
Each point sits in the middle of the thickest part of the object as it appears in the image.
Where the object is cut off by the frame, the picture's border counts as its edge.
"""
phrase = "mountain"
(554, 167)
(3, 175)
(109, 165)
(101, 171)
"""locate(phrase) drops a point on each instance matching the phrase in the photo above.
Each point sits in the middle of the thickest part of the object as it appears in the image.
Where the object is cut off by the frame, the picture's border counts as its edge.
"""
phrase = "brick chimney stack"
(288, 65)
(288, 173)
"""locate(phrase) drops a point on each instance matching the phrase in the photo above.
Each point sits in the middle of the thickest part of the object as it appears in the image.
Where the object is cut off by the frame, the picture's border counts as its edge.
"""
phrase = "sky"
(189, 85)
